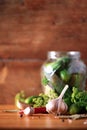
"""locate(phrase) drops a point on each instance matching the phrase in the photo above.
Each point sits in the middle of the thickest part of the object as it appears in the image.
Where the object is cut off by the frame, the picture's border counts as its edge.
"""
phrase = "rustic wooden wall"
(30, 28)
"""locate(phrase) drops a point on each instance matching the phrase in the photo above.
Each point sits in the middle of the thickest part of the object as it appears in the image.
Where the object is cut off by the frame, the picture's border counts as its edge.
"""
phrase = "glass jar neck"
(56, 54)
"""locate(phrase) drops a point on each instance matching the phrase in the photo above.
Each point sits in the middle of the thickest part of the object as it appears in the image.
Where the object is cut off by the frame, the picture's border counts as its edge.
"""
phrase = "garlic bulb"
(57, 106)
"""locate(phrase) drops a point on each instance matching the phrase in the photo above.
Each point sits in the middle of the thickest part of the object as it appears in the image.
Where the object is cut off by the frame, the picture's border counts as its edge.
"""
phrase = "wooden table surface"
(37, 121)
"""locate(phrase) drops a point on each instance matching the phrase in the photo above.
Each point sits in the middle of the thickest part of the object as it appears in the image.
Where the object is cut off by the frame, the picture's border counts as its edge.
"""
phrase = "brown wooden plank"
(19, 75)
(39, 121)
(27, 33)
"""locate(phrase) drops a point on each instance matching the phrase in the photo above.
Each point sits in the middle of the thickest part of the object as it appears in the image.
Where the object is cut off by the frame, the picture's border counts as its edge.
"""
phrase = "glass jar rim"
(55, 54)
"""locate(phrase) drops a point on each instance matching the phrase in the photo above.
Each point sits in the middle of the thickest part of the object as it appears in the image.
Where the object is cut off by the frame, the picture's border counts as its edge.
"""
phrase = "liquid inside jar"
(63, 68)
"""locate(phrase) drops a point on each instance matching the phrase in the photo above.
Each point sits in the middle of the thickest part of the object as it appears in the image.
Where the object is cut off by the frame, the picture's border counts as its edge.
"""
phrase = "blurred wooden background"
(28, 30)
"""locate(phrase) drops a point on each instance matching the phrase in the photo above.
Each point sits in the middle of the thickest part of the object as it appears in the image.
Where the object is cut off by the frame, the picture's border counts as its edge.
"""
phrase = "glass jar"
(63, 68)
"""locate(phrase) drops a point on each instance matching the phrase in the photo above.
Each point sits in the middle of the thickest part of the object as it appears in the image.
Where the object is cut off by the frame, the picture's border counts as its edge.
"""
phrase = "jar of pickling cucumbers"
(63, 68)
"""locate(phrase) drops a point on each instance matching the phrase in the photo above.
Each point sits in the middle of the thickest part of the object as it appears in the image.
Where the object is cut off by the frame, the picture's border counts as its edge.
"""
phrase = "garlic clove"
(28, 111)
(62, 109)
(51, 106)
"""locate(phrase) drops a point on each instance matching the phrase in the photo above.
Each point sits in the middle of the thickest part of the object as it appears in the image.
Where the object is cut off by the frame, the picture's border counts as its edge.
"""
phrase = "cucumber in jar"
(63, 68)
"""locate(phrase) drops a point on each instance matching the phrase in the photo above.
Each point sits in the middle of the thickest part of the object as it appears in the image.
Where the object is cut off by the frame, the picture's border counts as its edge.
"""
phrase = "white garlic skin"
(51, 106)
(56, 106)
(28, 111)
(62, 109)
